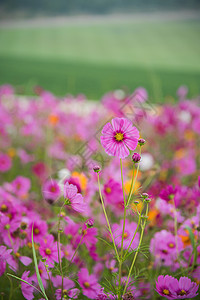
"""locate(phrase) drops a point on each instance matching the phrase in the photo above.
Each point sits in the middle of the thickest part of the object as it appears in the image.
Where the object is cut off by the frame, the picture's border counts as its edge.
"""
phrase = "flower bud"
(145, 195)
(136, 202)
(89, 223)
(136, 157)
(147, 200)
(128, 296)
(43, 259)
(141, 142)
(96, 169)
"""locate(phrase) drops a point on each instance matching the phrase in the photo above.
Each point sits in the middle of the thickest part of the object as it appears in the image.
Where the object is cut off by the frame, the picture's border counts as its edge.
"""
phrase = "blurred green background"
(94, 53)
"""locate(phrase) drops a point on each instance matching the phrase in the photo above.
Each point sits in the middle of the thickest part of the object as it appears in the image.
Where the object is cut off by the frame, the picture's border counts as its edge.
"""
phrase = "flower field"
(99, 200)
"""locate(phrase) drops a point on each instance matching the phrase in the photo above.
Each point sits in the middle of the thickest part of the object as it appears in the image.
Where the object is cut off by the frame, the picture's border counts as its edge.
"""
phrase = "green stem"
(137, 251)
(50, 282)
(133, 182)
(58, 246)
(107, 219)
(122, 242)
(138, 225)
(11, 288)
(76, 249)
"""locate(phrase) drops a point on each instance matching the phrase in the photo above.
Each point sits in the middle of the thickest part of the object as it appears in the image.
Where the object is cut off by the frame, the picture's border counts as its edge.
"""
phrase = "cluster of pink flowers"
(49, 147)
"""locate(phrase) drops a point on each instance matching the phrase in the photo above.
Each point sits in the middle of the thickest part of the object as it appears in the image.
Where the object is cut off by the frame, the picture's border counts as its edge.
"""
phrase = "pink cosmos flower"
(68, 288)
(119, 137)
(5, 162)
(39, 230)
(129, 231)
(168, 193)
(7, 227)
(43, 275)
(21, 185)
(169, 287)
(27, 290)
(40, 170)
(48, 249)
(75, 199)
(51, 190)
(4, 256)
(88, 283)
(163, 247)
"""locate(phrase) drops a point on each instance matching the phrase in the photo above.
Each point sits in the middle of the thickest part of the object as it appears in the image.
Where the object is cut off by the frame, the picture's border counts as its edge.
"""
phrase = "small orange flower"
(53, 119)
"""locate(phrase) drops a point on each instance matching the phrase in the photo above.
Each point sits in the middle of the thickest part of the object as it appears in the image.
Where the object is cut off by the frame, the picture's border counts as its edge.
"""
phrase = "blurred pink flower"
(5, 162)
(51, 190)
(129, 231)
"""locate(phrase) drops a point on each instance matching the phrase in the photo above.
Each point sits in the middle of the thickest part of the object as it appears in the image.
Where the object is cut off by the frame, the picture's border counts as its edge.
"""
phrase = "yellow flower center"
(4, 208)
(36, 231)
(119, 136)
(182, 292)
(86, 284)
(166, 292)
(126, 235)
(66, 253)
(65, 292)
(40, 271)
(164, 251)
(53, 189)
(48, 251)
(108, 190)
(17, 254)
(171, 245)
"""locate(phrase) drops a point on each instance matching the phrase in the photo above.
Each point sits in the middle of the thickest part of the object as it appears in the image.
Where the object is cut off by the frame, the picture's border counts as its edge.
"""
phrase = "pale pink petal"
(107, 129)
(77, 203)
(121, 150)
(117, 124)
(25, 260)
(131, 143)
(70, 190)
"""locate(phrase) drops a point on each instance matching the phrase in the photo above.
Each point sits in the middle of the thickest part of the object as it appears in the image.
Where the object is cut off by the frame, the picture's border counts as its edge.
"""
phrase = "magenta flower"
(27, 290)
(75, 199)
(168, 193)
(4, 257)
(43, 275)
(48, 249)
(163, 247)
(39, 230)
(129, 231)
(163, 286)
(21, 186)
(68, 288)
(51, 190)
(88, 283)
(184, 288)
(5, 162)
(119, 138)
(169, 287)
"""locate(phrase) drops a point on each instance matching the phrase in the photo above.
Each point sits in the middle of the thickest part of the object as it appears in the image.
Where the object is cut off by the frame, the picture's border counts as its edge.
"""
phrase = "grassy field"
(93, 57)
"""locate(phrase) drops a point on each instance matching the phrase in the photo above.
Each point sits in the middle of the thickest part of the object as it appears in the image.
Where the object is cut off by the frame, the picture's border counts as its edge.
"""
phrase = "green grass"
(93, 59)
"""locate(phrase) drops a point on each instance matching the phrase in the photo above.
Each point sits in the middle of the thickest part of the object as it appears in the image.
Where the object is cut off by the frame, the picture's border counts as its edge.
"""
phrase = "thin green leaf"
(191, 235)
(36, 268)
(25, 282)
(110, 245)
(194, 246)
